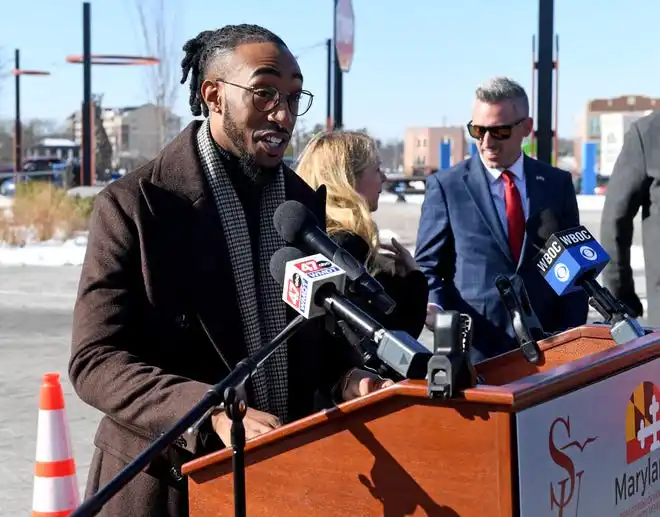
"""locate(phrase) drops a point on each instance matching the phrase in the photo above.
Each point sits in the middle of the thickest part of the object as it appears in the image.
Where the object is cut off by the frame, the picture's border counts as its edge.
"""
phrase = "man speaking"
(175, 288)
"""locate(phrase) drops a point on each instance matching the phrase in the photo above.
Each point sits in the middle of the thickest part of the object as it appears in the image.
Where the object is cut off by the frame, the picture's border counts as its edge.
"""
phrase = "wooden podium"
(397, 453)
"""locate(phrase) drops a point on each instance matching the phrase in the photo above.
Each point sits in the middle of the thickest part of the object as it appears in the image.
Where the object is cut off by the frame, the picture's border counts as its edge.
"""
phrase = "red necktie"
(514, 215)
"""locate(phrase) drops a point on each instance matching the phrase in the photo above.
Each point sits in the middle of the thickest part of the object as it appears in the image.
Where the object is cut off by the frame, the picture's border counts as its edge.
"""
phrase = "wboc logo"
(588, 253)
(562, 273)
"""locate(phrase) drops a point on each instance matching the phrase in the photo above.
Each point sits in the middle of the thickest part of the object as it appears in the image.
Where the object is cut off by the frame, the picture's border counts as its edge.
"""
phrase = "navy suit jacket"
(462, 247)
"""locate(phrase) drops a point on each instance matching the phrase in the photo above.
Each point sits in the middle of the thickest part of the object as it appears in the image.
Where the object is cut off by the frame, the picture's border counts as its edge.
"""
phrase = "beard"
(248, 162)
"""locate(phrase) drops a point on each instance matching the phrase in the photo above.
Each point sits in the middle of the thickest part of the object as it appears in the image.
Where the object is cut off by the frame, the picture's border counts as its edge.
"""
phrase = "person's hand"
(633, 305)
(359, 383)
(404, 262)
(256, 422)
(431, 311)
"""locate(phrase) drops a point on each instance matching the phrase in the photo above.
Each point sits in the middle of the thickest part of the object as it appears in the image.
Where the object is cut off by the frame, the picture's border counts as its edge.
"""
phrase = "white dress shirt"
(497, 187)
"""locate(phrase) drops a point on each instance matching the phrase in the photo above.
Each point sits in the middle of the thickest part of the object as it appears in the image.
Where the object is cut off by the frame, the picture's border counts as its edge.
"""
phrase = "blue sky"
(416, 62)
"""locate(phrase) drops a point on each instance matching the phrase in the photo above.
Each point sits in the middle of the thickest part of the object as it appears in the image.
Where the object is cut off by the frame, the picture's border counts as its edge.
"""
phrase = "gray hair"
(500, 89)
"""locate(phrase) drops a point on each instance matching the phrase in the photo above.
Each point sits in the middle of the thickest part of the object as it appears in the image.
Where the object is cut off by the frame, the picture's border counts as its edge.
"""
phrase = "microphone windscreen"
(290, 218)
(548, 224)
(280, 258)
(353, 244)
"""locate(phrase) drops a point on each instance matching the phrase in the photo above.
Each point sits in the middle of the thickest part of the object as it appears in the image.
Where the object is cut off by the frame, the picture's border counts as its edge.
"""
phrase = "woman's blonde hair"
(336, 159)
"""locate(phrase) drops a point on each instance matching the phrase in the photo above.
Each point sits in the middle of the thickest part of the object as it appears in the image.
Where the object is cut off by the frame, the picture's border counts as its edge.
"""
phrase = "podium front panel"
(399, 457)
(594, 451)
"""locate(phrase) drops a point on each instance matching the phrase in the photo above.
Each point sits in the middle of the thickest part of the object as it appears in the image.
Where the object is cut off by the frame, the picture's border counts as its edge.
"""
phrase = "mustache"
(273, 128)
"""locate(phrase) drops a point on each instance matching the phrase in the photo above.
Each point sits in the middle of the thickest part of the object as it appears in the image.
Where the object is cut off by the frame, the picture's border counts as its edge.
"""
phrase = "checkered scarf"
(264, 316)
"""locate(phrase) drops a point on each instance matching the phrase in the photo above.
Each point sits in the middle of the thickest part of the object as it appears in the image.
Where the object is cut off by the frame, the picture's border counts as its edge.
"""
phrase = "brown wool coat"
(156, 323)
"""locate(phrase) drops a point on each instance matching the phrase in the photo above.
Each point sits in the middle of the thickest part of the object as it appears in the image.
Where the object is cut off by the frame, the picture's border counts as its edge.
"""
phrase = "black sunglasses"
(267, 98)
(502, 132)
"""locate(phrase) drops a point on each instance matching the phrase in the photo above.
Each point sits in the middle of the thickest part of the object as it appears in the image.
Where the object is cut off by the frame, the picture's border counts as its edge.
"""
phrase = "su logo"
(566, 491)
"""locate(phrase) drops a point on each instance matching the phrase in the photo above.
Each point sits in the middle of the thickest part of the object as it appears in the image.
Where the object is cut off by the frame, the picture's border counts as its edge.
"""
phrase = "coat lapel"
(536, 179)
(479, 188)
(190, 229)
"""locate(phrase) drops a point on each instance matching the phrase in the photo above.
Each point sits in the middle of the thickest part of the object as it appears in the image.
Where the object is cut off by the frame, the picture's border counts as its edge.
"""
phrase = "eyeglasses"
(267, 98)
(502, 132)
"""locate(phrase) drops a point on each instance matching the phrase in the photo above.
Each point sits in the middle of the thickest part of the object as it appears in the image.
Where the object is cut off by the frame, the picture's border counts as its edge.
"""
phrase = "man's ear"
(211, 94)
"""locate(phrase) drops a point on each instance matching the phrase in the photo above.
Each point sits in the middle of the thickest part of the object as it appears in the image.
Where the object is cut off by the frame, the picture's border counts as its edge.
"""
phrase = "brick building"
(589, 122)
(421, 148)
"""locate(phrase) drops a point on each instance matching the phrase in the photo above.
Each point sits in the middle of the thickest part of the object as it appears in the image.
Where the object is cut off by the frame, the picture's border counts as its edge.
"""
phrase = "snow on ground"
(55, 252)
(70, 252)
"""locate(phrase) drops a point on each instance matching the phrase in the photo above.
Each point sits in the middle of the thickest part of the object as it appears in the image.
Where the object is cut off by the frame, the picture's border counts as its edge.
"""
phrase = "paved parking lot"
(35, 331)
(35, 334)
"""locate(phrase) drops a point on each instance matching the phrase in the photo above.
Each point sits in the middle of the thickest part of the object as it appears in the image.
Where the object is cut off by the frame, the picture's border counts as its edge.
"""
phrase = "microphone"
(450, 370)
(570, 260)
(304, 277)
(526, 325)
(298, 226)
(397, 350)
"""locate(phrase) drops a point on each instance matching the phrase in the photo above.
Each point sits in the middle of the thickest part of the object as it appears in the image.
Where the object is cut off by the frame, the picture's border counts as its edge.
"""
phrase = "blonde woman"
(347, 163)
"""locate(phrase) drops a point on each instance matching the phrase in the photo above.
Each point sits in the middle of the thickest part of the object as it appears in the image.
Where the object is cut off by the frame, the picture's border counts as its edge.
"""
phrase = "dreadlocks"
(201, 49)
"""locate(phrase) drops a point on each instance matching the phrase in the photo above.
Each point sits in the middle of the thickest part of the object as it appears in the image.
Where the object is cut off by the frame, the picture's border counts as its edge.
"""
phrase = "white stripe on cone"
(53, 441)
(55, 494)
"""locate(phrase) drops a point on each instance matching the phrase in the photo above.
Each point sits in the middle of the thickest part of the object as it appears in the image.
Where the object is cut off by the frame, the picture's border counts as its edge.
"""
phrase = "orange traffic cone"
(55, 483)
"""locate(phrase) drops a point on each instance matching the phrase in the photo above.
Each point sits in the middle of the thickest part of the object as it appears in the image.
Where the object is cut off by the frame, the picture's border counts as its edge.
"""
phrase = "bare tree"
(157, 21)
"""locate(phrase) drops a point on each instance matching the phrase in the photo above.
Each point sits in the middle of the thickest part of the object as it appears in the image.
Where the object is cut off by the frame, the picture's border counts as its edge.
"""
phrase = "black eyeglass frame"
(276, 99)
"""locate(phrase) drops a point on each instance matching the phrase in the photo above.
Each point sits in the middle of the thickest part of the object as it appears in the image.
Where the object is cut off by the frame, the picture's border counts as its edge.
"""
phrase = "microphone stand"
(623, 328)
(225, 391)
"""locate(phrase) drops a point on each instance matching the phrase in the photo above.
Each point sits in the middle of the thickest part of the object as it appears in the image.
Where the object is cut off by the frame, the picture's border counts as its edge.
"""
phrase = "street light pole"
(545, 66)
(87, 151)
(17, 72)
(328, 117)
(18, 131)
(338, 76)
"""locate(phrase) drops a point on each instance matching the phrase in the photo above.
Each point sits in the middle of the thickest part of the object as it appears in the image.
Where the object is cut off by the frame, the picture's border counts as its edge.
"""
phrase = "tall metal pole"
(556, 132)
(328, 118)
(544, 75)
(18, 130)
(338, 75)
(86, 169)
(532, 106)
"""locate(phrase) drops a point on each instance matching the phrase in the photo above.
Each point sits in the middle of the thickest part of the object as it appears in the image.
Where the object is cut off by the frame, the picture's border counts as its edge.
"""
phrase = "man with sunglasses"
(175, 288)
(474, 222)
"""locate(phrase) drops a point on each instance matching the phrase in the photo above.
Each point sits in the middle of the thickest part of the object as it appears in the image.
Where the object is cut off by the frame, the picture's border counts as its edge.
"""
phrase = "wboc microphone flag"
(568, 256)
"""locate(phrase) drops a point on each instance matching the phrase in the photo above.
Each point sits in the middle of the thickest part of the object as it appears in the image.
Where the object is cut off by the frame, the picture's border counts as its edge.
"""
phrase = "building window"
(632, 100)
(594, 126)
(424, 143)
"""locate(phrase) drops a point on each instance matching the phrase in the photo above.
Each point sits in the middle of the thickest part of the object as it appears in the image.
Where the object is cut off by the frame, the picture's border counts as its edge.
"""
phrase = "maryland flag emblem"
(643, 422)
